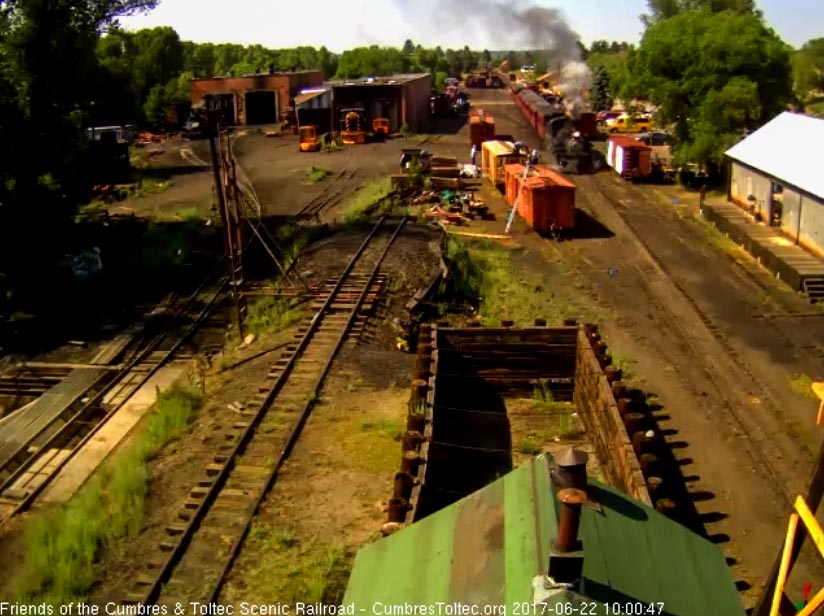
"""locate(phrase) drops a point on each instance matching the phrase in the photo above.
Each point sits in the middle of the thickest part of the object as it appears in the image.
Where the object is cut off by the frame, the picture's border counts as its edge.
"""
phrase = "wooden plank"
(70, 366)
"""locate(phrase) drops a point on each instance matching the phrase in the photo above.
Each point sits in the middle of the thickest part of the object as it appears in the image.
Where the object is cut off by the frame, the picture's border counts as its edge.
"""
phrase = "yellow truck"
(629, 124)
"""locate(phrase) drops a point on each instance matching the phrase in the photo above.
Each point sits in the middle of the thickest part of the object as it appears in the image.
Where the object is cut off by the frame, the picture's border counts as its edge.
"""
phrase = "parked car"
(603, 116)
(654, 138)
(627, 124)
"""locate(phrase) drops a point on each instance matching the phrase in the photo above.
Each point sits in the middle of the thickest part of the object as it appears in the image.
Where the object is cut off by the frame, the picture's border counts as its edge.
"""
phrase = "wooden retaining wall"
(596, 400)
(571, 360)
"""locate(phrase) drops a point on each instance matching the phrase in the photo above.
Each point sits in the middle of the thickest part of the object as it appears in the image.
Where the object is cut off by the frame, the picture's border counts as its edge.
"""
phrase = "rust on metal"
(570, 519)
(398, 507)
(412, 441)
(402, 486)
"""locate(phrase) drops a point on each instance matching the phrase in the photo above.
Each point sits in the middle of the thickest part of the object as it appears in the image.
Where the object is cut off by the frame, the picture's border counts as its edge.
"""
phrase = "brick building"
(256, 99)
(402, 99)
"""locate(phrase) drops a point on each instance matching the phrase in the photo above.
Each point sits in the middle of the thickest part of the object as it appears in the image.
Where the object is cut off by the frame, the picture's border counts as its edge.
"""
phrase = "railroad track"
(200, 546)
(326, 199)
(30, 382)
(31, 463)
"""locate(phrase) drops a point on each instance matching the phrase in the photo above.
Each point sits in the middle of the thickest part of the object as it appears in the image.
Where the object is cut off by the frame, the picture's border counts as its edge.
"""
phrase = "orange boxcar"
(513, 178)
(547, 199)
(481, 128)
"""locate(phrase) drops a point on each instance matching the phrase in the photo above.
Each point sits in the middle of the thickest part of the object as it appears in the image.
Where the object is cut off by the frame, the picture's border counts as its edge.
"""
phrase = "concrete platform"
(77, 470)
(774, 250)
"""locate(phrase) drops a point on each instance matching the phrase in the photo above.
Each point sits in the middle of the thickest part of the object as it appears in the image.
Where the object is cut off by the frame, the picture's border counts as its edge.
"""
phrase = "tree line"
(714, 70)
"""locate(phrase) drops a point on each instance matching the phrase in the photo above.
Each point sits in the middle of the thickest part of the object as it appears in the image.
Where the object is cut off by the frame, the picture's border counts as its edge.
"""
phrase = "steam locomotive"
(566, 137)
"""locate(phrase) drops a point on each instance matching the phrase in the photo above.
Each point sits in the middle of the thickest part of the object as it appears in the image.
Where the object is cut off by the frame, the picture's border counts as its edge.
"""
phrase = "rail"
(88, 419)
(243, 472)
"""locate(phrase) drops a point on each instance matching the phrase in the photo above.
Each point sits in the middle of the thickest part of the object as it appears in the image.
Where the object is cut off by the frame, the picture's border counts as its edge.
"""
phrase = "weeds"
(364, 199)
(315, 174)
(291, 570)
(272, 314)
(390, 429)
(150, 186)
(529, 447)
(61, 544)
(624, 362)
(483, 273)
(802, 385)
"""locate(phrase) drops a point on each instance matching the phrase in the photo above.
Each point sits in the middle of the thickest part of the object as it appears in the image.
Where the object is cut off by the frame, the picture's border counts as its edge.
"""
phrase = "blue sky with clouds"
(343, 24)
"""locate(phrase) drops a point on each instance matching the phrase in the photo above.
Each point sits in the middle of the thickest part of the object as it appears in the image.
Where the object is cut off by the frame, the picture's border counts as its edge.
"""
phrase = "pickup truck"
(625, 124)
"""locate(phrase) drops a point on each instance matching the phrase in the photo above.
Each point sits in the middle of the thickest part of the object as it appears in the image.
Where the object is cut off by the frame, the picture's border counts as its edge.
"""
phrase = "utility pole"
(225, 218)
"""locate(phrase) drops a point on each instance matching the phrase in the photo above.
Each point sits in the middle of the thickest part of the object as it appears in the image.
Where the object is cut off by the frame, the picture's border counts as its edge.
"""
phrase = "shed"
(489, 548)
(495, 155)
(780, 176)
(629, 157)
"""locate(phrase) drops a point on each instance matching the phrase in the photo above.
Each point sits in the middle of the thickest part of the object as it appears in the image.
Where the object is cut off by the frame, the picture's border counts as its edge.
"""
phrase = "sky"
(340, 25)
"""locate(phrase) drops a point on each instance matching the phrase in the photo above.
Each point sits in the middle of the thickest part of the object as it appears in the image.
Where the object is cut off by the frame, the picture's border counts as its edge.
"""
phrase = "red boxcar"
(545, 199)
(514, 172)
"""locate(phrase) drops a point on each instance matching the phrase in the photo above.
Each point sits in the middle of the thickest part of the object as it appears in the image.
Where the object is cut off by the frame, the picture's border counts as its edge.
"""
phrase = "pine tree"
(601, 96)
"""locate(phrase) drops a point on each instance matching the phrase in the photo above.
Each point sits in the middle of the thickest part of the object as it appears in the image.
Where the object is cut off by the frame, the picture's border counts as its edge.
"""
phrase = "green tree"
(660, 10)
(600, 89)
(486, 57)
(808, 68)
(49, 74)
(408, 47)
(712, 75)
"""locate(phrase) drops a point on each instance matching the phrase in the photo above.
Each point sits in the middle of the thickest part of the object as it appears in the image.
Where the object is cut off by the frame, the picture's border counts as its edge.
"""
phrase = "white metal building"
(778, 172)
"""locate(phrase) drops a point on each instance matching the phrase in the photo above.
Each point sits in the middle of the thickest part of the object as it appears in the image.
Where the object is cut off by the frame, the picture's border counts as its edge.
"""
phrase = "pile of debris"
(456, 208)
(145, 138)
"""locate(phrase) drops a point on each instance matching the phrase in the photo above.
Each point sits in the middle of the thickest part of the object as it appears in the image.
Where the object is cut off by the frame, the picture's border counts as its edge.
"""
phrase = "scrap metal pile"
(451, 208)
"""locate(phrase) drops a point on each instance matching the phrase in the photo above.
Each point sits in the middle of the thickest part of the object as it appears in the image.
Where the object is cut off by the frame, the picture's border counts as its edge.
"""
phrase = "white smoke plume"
(518, 25)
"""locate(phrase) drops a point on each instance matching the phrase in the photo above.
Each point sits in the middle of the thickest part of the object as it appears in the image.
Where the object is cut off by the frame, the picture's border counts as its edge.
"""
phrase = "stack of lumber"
(445, 172)
(441, 183)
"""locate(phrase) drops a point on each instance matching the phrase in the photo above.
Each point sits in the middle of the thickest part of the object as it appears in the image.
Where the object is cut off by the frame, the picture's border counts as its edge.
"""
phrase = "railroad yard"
(286, 466)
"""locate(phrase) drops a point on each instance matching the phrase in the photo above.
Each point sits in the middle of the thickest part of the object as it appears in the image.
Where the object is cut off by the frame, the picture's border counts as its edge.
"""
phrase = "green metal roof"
(487, 548)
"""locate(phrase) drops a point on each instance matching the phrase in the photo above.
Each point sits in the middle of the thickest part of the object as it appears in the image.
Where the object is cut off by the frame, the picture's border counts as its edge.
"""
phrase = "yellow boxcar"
(495, 155)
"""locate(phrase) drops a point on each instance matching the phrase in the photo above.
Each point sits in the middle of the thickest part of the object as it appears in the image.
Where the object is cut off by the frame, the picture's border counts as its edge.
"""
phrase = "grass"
(315, 174)
(364, 199)
(272, 314)
(802, 385)
(624, 362)
(484, 274)
(386, 427)
(529, 447)
(291, 571)
(62, 544)
(559, 413)
(147, 186)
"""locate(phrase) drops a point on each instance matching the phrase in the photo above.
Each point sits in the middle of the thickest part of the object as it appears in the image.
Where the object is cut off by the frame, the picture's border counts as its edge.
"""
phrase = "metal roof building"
(401, 99)
(493, 548)
(777, 173)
